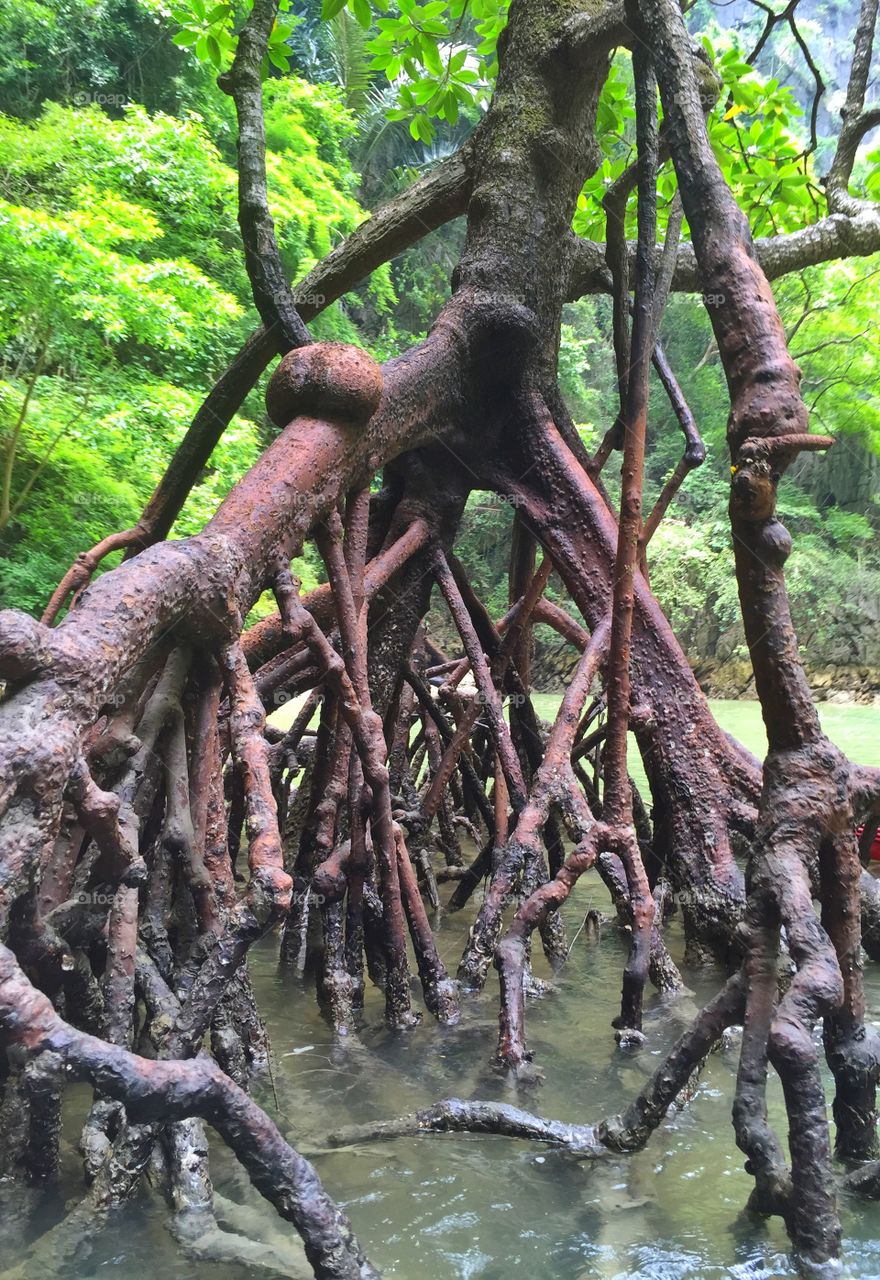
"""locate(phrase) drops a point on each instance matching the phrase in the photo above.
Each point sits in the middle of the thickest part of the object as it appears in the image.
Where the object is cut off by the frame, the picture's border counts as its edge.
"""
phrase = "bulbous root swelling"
(155, 821)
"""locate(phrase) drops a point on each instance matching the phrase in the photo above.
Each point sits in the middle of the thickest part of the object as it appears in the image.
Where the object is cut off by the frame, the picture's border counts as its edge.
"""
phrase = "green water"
(467, 1207)
(855, 728)
(458, 1207)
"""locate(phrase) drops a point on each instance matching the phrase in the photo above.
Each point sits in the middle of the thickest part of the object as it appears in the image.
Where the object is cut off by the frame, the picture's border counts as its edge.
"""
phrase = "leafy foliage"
(102, 52)
(123, 291)
(209, 29)
(755, 130)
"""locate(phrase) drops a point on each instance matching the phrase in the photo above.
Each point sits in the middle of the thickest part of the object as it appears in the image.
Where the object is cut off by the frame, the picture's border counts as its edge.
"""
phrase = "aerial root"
(196, 1208)
(80, 573)
(177, 1090)
(453, 1115)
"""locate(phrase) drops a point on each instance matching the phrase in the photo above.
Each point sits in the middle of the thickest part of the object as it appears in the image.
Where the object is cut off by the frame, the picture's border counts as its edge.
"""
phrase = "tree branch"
(243, 82)
(437, 198)
(840, 235)
(854, 124)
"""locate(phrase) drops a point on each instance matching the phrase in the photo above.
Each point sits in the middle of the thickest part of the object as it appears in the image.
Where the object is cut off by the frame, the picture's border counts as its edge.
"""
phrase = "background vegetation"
(122, 291)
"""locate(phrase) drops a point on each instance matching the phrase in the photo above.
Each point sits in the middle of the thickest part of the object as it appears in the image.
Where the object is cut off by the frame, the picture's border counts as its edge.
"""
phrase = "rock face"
(852, 646)
(848, 477)
(835, 683)
(723, 673)
(732, 678)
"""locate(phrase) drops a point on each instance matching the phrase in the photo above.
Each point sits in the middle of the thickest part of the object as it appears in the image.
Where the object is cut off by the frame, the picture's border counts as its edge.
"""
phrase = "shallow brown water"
(458, 1207)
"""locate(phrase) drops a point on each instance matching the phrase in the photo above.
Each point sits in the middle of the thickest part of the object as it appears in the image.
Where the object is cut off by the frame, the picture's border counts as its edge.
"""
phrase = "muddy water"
(457, 1207)
(468, 1206)
(460, 1207)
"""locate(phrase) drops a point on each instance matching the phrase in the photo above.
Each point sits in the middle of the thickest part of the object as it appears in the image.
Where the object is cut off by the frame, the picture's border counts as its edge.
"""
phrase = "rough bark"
(136, 757)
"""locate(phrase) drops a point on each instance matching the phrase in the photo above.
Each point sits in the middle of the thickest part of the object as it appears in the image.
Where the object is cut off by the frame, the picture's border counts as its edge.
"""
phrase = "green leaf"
(421, 128)
(363, 13)
(330, 8)
(431, 54)
(423, 91)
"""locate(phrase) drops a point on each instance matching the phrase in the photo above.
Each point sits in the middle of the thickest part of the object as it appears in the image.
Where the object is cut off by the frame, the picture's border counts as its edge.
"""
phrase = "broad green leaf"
(330, 8)
(362, 13)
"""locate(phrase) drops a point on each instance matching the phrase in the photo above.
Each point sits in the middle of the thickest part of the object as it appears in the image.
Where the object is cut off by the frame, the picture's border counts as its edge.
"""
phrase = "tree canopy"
(125, 288)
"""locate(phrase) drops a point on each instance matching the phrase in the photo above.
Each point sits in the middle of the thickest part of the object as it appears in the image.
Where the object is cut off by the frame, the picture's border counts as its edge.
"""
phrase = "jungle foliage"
(122, 290)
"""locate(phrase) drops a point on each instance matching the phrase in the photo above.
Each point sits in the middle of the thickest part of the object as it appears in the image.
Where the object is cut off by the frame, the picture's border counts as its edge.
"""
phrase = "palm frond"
(348, 54)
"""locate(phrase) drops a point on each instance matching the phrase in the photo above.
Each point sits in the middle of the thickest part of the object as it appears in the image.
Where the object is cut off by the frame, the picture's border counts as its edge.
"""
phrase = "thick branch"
(438, 197)
(627, 1132)
(832, 238)
(855, 121)
(243, 82)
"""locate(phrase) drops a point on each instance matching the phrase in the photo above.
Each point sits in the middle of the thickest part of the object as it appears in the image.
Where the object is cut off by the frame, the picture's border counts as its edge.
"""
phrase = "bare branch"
(840, 235)
(244, 84)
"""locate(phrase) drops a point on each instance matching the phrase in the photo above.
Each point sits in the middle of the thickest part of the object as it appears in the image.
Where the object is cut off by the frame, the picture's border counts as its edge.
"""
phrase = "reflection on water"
(466, 1207)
